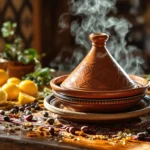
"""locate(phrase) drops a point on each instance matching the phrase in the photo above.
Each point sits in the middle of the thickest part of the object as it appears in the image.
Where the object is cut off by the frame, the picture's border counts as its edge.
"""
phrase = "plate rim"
(93, 116)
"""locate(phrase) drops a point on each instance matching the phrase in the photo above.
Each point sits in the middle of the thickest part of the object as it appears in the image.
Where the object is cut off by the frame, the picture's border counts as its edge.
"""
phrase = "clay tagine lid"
(98, 71)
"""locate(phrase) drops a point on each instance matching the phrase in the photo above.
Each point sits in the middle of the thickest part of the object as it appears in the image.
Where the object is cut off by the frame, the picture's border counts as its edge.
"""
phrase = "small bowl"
(98, 105)
(142, 85)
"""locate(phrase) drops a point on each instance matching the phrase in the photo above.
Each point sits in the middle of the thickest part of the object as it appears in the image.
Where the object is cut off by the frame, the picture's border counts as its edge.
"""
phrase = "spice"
(6, 118)
(2, 112)
(29, 117)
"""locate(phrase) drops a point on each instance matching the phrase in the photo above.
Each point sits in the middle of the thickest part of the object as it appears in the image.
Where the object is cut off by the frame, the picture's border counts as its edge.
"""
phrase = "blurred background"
(39, 26)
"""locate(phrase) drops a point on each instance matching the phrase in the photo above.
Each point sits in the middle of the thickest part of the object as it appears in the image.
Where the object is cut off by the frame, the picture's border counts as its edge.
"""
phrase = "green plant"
(14, 50)
(41, 76)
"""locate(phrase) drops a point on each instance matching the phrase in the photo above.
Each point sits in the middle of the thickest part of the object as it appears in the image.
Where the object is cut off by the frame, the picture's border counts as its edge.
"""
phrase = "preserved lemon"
(12, 90)
(3, 77)
(25, 99)
(14, 80)
(28, 87)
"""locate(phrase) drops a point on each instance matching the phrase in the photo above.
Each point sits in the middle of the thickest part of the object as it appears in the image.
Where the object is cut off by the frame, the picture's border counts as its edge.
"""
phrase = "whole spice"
(14, 111)
(84, 128)
(29, 117)
(51, 130)
(141, 135)
(2, 112)
(45, 114)
(6, 118)
(148, 129)
(50, 121)
(72, 130)
(27, 112)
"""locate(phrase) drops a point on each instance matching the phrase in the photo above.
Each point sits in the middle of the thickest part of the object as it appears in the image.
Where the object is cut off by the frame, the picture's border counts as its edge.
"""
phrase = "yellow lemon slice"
(14, 80)
(3, 96)
(3, 77)
(25, 99)
(28, 87)
(12, 90)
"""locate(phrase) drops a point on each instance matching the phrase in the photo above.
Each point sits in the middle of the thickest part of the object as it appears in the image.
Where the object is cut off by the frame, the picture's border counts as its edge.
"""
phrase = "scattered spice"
(40, 123)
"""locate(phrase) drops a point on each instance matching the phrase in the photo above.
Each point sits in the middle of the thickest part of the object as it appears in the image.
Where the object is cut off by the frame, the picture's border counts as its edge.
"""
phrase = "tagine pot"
(99, 83)
(98, 71)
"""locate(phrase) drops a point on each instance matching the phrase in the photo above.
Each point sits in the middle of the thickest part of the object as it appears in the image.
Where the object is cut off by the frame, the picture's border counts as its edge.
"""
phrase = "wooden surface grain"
(20, 142)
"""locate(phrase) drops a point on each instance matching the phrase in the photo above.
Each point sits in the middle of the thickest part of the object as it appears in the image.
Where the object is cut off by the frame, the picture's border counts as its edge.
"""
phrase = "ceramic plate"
(55, 106)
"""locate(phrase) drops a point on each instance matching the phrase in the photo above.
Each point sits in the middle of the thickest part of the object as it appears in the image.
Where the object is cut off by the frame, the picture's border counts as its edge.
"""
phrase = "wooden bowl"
(141, 88)
(98, 105)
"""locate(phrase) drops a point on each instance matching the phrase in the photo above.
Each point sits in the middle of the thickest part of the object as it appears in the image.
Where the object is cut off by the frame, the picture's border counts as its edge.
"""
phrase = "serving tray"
(54, 105)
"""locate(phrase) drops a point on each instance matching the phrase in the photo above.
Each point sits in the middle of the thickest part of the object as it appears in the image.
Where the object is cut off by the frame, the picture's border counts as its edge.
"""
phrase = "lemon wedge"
(3, 96)
(25, 99)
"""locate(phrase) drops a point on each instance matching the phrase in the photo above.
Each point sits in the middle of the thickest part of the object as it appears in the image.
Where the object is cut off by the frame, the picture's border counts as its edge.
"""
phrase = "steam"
(94, 19)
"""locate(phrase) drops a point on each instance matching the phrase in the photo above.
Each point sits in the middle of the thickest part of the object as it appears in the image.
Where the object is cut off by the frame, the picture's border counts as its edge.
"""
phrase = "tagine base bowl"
(56, 106)
(112, 105)
(141, 88)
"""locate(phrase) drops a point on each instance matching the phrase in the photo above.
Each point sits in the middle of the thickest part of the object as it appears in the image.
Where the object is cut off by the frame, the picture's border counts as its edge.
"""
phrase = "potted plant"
(18, 60)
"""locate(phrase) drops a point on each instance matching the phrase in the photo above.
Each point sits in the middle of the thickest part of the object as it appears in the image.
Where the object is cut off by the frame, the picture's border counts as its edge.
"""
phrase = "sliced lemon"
(25, 99)
(28, 87)
(12, 90)
(3, 96)
(14, 80)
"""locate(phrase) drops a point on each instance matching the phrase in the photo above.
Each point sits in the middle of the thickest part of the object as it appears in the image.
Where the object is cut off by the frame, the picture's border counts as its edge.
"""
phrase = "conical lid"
(98, 71)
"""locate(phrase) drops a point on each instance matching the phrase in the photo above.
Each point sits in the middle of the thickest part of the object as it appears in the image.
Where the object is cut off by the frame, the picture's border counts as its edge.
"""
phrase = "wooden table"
(18, 141)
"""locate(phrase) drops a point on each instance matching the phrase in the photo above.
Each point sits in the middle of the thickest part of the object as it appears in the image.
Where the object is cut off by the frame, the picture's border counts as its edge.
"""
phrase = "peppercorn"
(148, 129)
(45, 114)
(6, 118)
(140, 135)
(2, 112)
(13, 111)
(50, 121)
(32, 105)
(37, 107)
(17, 108)
(27, 112)
(21, 108)
(146, 133)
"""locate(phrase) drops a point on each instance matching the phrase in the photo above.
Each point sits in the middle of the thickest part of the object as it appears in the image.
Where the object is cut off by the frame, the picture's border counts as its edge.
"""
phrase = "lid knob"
(98, 39)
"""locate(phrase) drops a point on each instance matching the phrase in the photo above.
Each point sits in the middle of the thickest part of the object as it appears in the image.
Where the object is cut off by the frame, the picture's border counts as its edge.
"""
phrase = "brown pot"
(16, 69)
(142, 86)
(98, 71)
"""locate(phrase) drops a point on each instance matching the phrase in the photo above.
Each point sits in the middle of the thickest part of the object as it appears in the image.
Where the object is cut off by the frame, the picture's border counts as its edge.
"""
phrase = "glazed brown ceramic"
(142, 85)
(98, 71)
(98, 105)
(55, 106)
